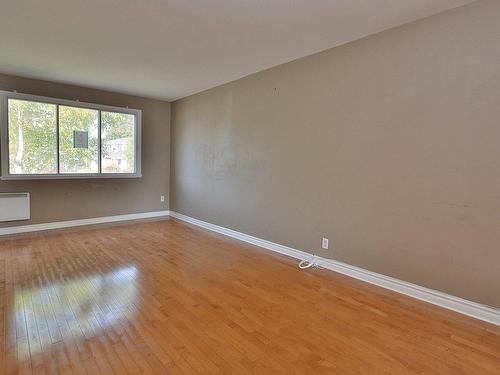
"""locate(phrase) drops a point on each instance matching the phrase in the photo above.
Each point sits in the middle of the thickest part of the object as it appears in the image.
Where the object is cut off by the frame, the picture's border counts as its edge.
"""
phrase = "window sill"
(71, 176)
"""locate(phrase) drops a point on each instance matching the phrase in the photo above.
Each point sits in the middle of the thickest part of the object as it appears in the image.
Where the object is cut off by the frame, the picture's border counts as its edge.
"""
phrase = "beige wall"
(389, 146)
(55, 200)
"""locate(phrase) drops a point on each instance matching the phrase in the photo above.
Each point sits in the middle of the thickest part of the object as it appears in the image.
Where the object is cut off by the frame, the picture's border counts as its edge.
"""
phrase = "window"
(118, 139)
(32, 137)
(52, 138)
(78, 140)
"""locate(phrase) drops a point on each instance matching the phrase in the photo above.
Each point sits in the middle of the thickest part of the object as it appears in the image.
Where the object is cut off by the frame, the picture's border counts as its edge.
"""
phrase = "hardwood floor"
(164, 297)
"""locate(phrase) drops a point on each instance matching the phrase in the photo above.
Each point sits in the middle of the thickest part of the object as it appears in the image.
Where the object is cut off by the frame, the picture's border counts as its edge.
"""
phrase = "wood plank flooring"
(167, 298)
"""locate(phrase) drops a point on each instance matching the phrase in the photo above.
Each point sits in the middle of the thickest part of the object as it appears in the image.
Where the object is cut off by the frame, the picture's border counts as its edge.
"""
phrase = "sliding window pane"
(117, 142)
(32, 137)
(78, 140)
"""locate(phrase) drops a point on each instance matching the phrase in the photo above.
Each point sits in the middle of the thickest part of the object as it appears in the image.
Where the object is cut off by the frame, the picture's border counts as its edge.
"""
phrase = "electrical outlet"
(324, 243)
(162, 198)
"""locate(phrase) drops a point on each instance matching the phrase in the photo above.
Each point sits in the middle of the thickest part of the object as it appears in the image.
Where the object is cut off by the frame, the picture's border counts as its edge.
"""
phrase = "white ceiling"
(169, 49)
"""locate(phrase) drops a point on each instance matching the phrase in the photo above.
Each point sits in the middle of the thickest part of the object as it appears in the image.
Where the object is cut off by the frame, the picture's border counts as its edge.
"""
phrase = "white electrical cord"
(308, 263)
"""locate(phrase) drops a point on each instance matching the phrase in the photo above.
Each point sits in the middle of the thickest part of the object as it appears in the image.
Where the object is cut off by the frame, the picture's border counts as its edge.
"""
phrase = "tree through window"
(56, 139)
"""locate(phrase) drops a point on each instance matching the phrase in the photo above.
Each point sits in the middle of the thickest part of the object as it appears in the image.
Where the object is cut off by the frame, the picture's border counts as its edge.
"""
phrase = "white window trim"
(4, 126)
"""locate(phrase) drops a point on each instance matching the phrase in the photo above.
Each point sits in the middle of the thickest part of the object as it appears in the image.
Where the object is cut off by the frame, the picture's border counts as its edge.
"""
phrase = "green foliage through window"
(118, 142)
(75, 159)
(51, 139)
(32, 137)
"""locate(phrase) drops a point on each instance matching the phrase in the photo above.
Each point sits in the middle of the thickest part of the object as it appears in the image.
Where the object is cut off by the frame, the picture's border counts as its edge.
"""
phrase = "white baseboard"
(472, 309)
(80, 222)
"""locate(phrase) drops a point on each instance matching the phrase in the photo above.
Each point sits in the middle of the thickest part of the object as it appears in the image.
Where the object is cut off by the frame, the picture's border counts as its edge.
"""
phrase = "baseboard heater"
(14, 206)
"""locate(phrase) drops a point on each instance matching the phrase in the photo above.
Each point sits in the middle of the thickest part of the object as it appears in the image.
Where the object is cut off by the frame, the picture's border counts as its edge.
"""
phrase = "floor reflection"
(73, 309)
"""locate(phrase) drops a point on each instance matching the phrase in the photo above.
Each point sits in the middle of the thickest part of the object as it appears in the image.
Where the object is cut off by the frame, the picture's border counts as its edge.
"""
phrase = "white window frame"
(4, 135)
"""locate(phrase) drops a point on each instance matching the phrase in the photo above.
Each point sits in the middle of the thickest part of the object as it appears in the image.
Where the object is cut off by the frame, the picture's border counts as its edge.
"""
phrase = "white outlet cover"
(324, 243)
(162, 198)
